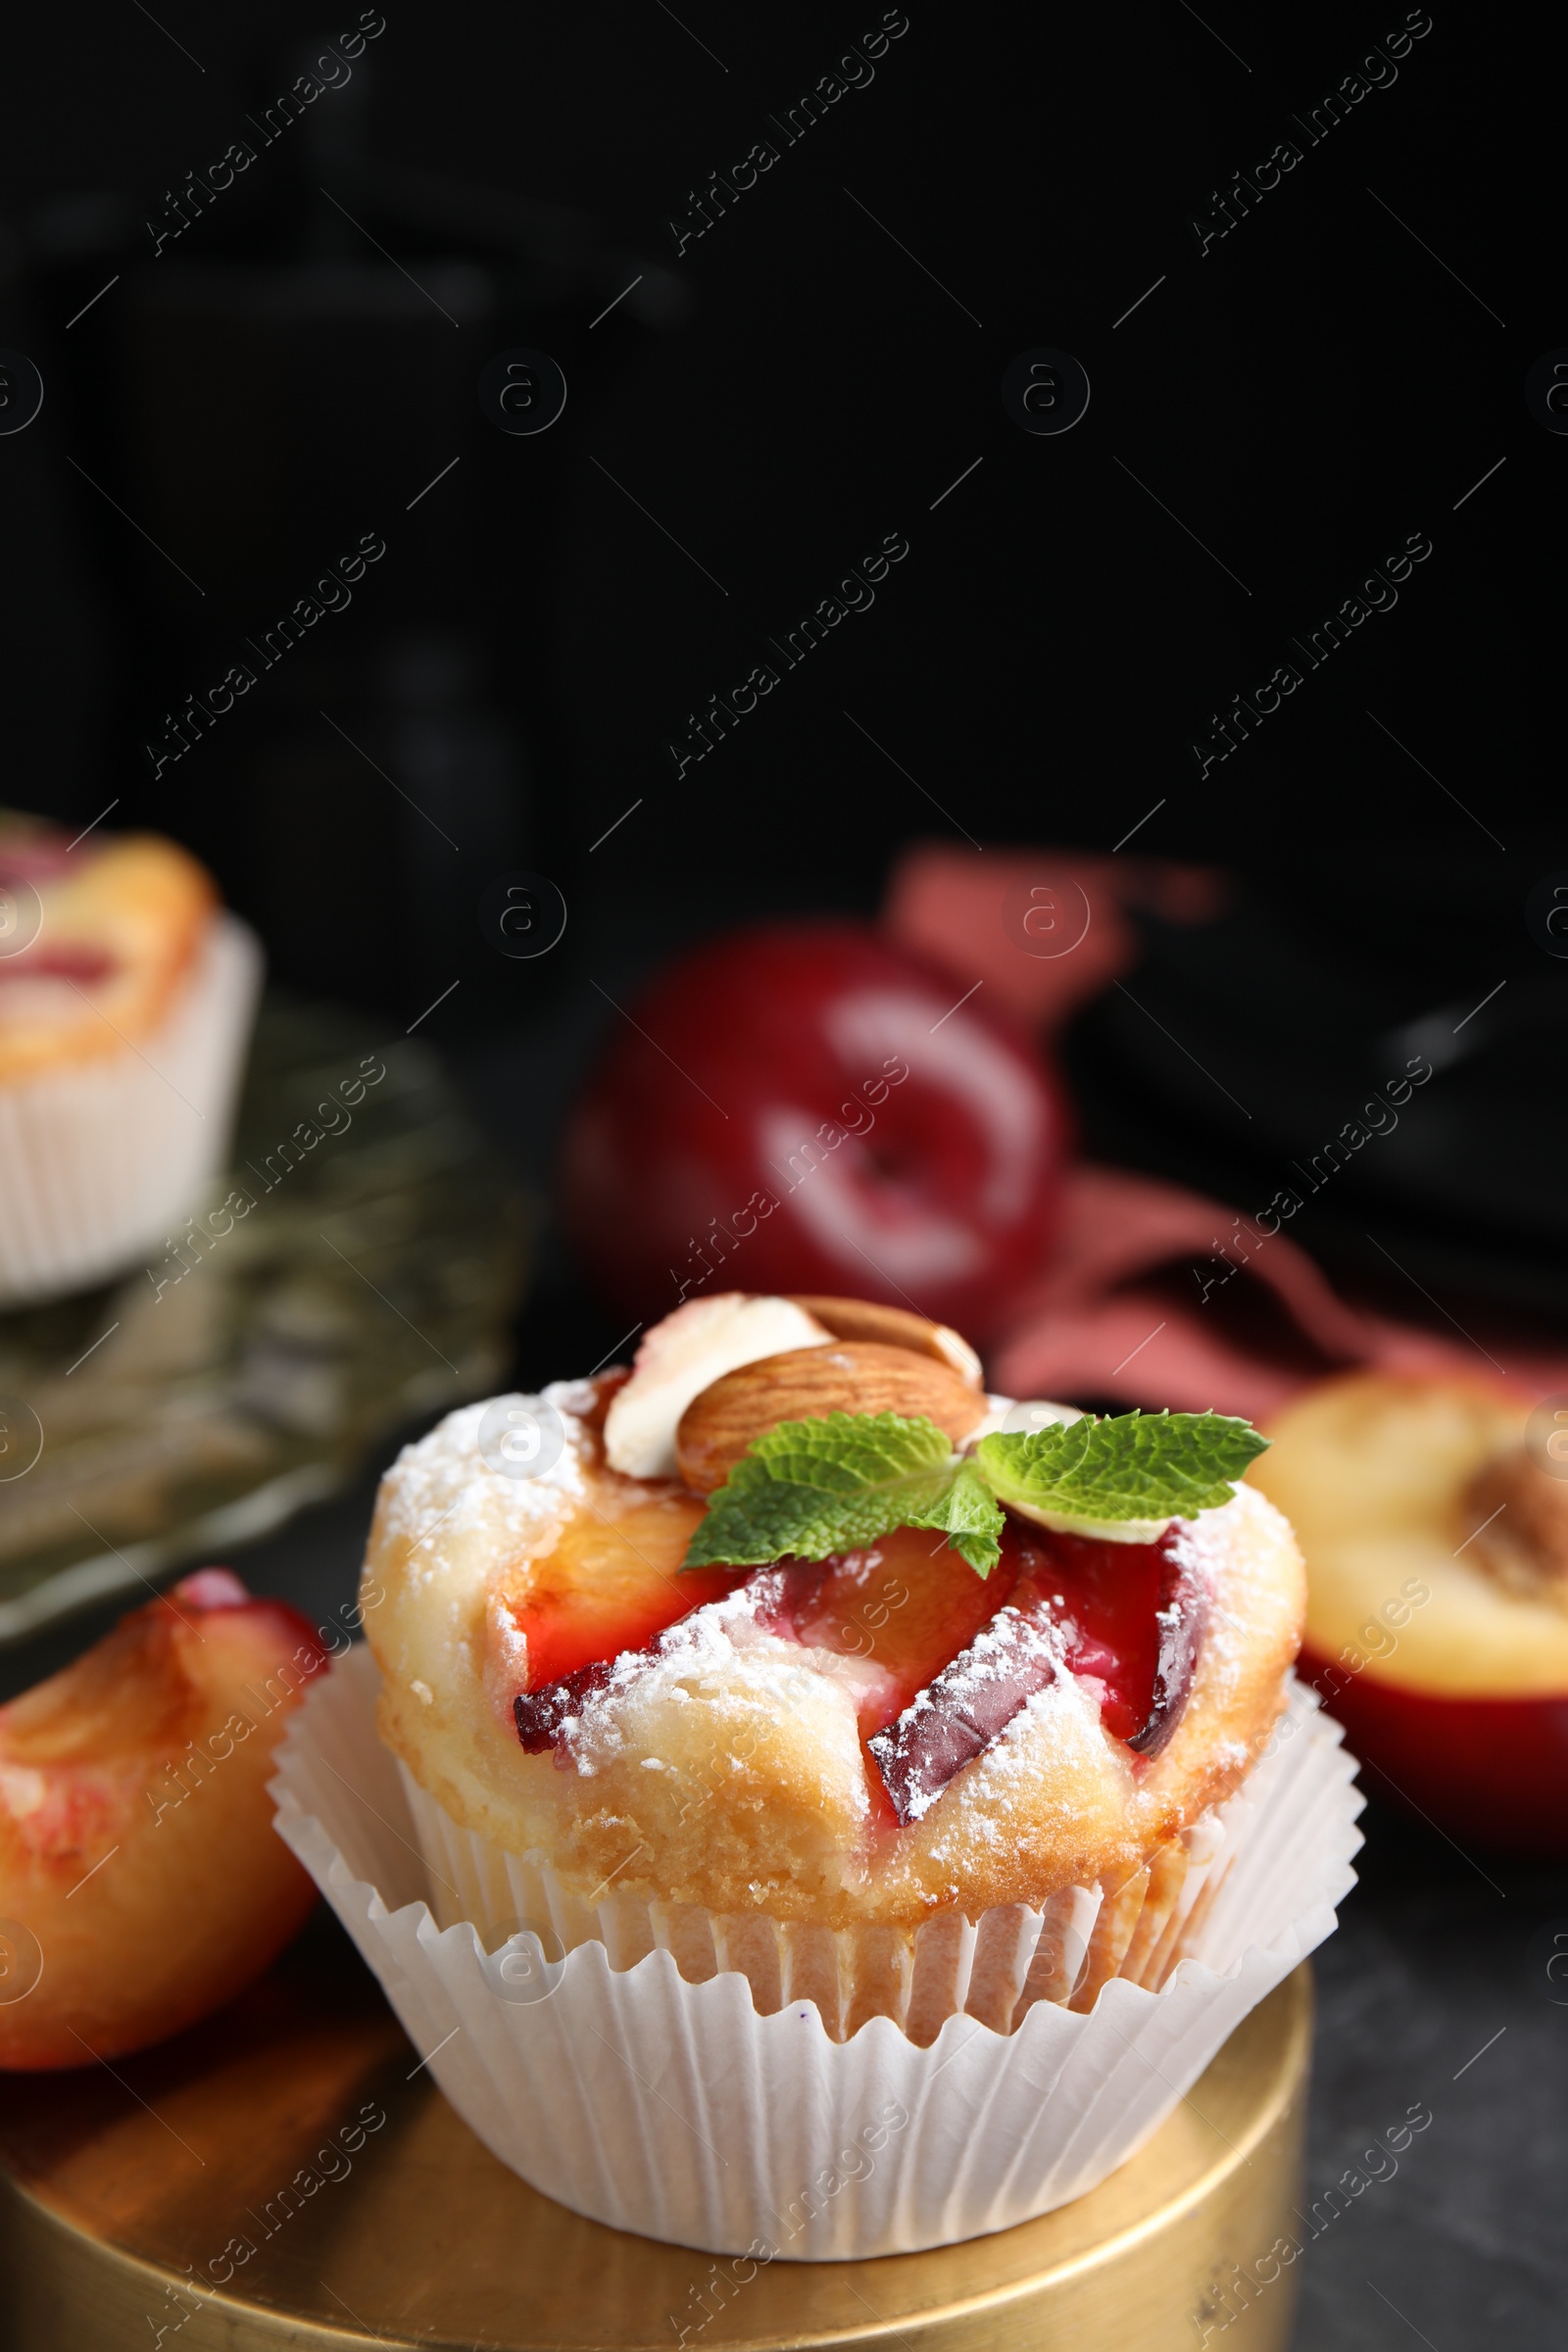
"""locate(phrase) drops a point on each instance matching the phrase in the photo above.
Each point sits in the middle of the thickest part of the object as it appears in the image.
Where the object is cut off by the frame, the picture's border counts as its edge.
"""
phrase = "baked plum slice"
(938, 1660)
(1126, 1619)
(969, 1704)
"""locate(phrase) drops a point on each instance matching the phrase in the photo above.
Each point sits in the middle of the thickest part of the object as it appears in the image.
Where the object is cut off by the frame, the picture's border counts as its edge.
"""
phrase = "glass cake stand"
(357, 1268)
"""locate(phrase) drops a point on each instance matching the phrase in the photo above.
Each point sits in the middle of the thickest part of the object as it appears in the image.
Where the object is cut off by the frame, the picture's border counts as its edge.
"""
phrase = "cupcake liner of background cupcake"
(729, 2086)
(102, 1156)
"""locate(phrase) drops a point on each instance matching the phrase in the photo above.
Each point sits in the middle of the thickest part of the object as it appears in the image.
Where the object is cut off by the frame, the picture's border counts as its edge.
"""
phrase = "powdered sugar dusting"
(725, 1755)
(441, 1488)
(1236, 1542)
(447, 1526)
(722, 1647)
(752, 1685)
(965, 1709)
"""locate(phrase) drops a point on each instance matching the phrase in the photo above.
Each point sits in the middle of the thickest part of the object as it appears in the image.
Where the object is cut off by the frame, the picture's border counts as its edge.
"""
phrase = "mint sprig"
(810, 1489)
(1128, 1466)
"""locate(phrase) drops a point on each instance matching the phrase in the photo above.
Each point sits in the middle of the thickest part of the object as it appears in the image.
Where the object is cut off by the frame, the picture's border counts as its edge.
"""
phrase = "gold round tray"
(122, 2193)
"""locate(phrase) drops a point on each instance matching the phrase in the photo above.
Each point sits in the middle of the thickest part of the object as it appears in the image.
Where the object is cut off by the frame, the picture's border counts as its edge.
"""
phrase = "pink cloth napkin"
(965, 909)
(1155, 1296)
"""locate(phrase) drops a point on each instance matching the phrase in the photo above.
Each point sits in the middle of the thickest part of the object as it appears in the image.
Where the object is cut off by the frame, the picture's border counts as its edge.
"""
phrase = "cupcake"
(782, 1716)
(126, 999)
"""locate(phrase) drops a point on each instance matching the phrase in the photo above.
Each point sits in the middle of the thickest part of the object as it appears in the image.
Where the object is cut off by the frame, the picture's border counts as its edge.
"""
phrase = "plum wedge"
(141, 1884)
(1181, 1617)
(968, 1705)
(1126, 1619)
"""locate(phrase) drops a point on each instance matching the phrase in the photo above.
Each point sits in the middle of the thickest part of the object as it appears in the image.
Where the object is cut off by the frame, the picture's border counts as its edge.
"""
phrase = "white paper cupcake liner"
(678, 2110)
(102, 1158)
(994, 1968)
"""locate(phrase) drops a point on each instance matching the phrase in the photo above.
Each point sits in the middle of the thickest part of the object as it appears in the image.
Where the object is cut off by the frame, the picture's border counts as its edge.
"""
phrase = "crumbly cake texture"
(120, 934)
(725, 1769)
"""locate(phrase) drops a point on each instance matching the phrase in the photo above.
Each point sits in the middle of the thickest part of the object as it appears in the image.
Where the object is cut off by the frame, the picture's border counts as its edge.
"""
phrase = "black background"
(795, 386)
(1303, 396)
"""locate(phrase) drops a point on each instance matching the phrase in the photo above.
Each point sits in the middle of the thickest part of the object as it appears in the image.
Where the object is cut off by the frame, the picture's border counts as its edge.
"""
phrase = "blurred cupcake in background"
(126, 997)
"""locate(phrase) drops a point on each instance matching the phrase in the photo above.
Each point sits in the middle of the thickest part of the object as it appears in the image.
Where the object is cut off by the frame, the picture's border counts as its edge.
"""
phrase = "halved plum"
(1437, 1625)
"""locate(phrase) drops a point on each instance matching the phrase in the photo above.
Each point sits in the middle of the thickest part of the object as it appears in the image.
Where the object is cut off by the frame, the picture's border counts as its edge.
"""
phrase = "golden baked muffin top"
(95, 942)
(867, 1736)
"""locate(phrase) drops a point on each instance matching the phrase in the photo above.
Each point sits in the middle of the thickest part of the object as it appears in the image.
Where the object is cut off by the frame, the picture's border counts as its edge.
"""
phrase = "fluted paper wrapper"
(995, 1967)
(102, 1158)
(679, 2110)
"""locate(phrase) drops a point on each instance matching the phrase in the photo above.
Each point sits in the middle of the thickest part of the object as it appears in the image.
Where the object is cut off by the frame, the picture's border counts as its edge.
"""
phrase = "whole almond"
(806, 1384)
(892, 1327)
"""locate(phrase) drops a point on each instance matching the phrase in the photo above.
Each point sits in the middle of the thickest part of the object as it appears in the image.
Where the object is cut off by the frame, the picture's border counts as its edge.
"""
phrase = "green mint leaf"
(808, 1489)
(967, 1514)
(1127, 1466)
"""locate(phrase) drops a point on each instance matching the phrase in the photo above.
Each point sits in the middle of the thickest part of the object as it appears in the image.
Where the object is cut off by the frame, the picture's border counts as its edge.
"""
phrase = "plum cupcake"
(126, 997)
(795, 1736)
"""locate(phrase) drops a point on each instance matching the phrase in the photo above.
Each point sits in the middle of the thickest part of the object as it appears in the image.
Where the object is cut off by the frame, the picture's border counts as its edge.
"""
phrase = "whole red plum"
(800, 1107)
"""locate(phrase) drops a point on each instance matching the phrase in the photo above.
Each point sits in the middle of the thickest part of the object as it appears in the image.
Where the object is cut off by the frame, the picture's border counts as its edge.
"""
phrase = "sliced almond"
(892, 1327)
(684, 1354)
(806, 1384)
